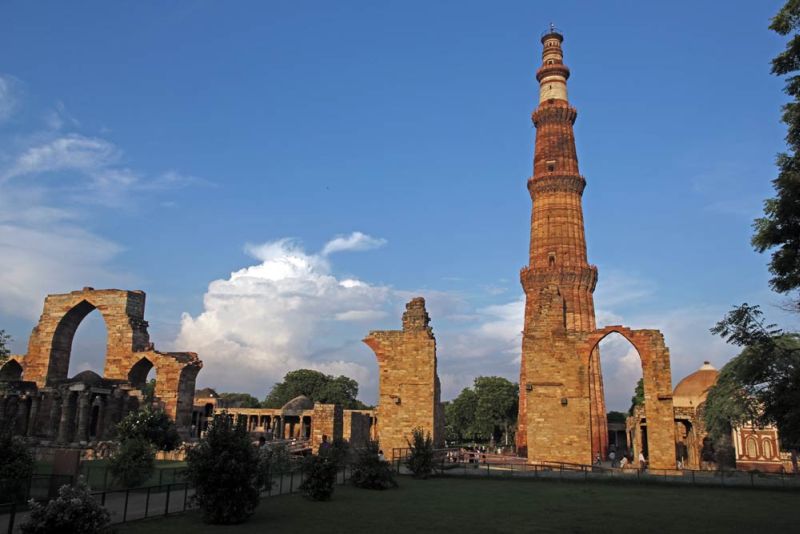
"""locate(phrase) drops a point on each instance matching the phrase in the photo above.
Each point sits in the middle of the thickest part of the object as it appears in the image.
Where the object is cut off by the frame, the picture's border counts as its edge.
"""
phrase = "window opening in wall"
(551, 165)
(551, 259)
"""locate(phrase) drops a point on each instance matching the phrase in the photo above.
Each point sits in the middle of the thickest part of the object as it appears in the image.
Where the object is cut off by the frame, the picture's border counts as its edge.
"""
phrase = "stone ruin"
(409, 389)
(41, 401)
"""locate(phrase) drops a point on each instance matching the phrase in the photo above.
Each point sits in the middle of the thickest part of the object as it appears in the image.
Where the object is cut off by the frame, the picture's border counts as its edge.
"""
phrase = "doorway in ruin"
(144, 377)
(620, 391)
(81, 341)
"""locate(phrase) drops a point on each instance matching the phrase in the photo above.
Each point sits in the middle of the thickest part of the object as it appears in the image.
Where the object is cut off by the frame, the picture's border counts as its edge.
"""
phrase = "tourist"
(324, 446)
(642, 461)
(380, 456)
(623, 462)
(262, 442)
(597, 460)
(613, 457)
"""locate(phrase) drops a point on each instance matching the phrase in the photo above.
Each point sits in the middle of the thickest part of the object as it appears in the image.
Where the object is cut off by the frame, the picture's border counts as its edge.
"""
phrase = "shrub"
(16, 467)
(420, 459)
(272, 459)
(133, 463)
(224, 469)
(320, 471)
(370, 472)
(153, 425)
(74, 511)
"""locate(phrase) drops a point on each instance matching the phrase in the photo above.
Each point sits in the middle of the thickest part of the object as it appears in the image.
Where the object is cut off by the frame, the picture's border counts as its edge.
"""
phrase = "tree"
(497, 406)
(224, 470)
(370, 471)
(154, 426)
(488, 409)
(762, 383)
(420, 458)
(460, 415)
(638, 396)
(134, 462)
(74, 511)
(149, 392)
(239, 400)
(318, 387)
(779, 229)
(320, 477)
(5, 352)
(615, 417)
(16, 466)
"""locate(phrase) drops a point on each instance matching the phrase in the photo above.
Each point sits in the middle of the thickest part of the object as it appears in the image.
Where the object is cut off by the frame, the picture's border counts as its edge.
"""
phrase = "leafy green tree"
(74, 511)
(239, 400)
(224, 470)
(317, 386)
(638, 396)
(133, 463)
(779, 229)
(370, 471)
(420, 458)
(762, 383)
(460, 416)
(16, 466)
(497, 406)
(154, 426)
(149, 392)
(615, 417)
(5, 352)
(320, 477)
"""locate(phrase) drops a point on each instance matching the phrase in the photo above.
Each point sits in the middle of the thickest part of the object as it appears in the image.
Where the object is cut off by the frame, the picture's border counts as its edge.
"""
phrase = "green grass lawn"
(165, 472)
(454, 505)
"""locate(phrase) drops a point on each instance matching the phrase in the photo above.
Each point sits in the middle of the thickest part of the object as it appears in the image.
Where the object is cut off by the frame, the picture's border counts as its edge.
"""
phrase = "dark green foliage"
(370, 472)
(420, 458)
(239, 400)
(74, 511)
(485, 411)
(638, 396)
(5, 352)
(320, 477)
(779, 229)
(153, 425)
(133, 463)
(224, 470)
(318, 387)
(615, 417)
(762, 383)
(149, 392)
(16, 467)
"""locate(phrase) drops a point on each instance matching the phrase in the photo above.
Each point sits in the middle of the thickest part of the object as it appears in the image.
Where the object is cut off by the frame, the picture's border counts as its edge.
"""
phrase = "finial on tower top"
(552, 31)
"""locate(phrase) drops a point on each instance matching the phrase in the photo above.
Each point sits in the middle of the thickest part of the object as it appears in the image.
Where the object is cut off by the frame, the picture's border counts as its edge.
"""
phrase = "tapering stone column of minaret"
(558, 259)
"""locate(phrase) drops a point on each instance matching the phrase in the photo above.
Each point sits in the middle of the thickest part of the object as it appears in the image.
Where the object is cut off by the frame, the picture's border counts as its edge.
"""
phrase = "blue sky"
(164, 146)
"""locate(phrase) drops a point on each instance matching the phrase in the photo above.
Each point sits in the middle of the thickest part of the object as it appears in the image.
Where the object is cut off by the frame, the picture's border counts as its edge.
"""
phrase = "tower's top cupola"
(553, 74)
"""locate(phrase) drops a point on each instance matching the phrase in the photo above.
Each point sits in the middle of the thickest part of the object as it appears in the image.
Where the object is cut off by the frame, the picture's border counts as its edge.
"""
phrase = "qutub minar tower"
(558, 259)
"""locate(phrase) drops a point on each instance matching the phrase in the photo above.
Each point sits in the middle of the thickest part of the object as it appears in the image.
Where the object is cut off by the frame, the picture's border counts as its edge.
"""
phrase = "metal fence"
(133, 504)
(454, 462)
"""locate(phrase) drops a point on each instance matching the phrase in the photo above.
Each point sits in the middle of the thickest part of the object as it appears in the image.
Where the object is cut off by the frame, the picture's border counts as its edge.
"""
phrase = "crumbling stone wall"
(356, 428)
(409, 389)
(129, 353)
(326, 421)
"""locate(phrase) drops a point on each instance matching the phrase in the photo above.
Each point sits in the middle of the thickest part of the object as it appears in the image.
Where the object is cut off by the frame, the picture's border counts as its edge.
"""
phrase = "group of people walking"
(621, 461)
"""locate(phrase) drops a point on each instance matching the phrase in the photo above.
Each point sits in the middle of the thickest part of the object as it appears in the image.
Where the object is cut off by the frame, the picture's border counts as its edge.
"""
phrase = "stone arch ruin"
(657, 379)
(129, 353)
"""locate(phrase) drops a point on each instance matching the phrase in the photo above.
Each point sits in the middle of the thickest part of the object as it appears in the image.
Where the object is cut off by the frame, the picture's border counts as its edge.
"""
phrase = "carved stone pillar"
(21, 420)
(53, 417)
(101, 409)
(65, 424)
(33, 415)
(84, 411)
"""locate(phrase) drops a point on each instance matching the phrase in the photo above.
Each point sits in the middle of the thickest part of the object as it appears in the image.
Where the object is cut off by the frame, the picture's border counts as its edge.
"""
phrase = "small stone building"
(755, 448)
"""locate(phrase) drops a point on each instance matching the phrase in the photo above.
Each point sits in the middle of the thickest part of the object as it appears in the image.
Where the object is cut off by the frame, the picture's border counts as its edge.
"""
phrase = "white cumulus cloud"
(289, 311)
(354, 241)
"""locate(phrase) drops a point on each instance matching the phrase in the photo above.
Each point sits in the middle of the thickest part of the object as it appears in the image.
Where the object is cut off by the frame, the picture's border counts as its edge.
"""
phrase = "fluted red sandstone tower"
(558, 274)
